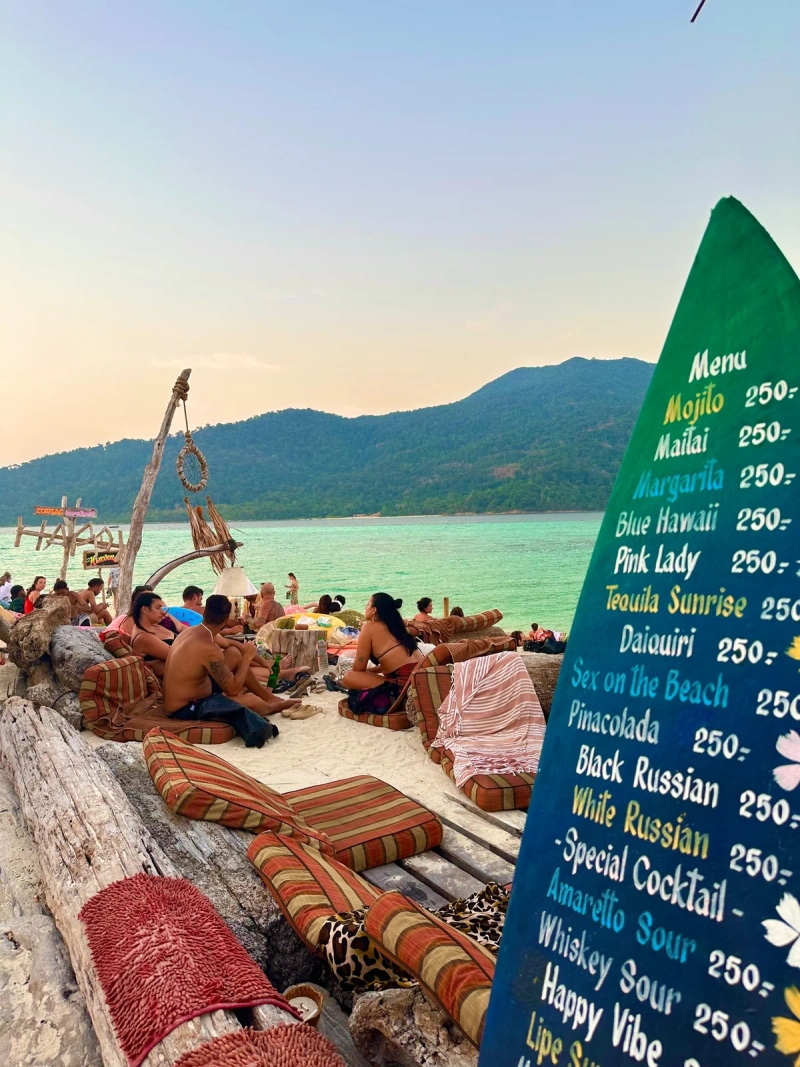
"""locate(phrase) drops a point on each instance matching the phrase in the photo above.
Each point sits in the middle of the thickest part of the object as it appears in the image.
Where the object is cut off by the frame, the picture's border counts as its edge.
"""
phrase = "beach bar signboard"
(655, 913)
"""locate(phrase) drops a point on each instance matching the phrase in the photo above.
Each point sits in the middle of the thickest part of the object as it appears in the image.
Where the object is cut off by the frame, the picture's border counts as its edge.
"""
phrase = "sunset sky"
(362, 207)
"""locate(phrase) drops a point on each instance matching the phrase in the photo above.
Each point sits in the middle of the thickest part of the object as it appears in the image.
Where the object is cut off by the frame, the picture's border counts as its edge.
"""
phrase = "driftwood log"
(43, 1017)
(214, 858)
(72, 650)
(87, 836)
(29, 638)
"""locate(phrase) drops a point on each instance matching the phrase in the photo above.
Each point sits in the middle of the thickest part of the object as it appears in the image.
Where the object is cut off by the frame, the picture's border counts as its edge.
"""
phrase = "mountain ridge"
(534, 439)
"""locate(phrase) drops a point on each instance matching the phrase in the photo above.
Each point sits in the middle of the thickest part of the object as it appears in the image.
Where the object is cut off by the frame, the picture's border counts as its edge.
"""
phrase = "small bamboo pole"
(142, 502)
(446, 607)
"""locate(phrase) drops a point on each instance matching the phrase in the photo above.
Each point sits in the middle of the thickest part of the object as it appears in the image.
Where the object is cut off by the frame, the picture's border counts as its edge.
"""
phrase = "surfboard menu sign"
(655, 913)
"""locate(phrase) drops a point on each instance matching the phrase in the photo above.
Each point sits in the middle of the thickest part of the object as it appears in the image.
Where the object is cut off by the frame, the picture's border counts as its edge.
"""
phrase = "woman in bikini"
(424, 609)
(150, 639)
(385, 640)
(35, 591)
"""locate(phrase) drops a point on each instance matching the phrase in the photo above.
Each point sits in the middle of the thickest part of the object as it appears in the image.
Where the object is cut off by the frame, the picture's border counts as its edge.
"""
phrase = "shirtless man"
(78, 606)
(100, 611)
(203, 681)
(268, 609)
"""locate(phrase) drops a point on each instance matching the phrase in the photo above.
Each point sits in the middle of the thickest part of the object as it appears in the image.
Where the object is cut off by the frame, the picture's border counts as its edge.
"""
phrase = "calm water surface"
(530, 566)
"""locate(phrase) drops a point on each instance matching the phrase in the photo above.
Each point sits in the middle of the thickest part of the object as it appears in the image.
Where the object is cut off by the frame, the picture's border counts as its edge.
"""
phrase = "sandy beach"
(327, 747)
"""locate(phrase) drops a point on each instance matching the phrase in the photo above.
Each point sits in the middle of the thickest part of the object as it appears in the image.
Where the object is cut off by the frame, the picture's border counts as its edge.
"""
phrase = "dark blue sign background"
(655, 915)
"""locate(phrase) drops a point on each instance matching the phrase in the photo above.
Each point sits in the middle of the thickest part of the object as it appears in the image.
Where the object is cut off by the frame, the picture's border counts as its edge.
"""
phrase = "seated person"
(424, 609)
(124, 624)
(324, 606)
(191, 614)
(17, 602)
(150, 639)
(458, 612)
(99, 612)
(78, 607)
(538, 635)
(35, 593)
(267, 609)
(518, 637)
(204, 681)
(337, 604)
(5, 589)
(383, 638)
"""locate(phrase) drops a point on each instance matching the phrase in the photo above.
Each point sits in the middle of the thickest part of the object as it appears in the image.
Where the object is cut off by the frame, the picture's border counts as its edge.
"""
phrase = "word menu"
(655, 913)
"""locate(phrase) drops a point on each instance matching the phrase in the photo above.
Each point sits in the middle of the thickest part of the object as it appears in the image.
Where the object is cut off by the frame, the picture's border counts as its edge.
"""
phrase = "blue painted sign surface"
(655, 915)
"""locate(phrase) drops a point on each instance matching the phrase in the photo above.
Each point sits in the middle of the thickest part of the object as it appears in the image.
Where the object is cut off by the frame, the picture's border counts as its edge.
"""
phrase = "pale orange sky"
(362, 208)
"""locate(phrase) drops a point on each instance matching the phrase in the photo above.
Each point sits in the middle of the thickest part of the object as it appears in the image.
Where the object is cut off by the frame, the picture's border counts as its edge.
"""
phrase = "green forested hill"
(536, 439)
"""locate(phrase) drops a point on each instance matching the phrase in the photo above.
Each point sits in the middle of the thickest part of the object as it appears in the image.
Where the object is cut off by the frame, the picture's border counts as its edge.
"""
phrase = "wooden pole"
(446, 607)
(128, 558)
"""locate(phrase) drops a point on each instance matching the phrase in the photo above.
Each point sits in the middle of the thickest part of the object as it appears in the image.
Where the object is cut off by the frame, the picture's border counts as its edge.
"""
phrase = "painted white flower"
(786, 932)
(788, 775)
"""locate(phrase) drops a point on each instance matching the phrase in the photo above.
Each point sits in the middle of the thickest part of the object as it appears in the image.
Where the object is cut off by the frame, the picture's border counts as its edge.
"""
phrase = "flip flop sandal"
(301, 687)
(305, 711)
(332, 685)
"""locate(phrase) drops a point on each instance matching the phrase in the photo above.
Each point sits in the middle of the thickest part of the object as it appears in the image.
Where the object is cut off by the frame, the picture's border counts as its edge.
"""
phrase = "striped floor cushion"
(489, 792)
(453, 969)
(368, 822)
(120, 701)
(200, 785)
(117, 643)
(308, 887)
(392, 720)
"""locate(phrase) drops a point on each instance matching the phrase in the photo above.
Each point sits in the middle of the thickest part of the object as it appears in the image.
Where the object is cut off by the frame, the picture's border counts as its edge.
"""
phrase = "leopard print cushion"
(355, 960)
(480, 916)
(358, 964)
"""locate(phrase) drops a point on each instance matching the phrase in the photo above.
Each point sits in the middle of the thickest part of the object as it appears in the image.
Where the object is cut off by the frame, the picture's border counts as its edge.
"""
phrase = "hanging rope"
(191, 449)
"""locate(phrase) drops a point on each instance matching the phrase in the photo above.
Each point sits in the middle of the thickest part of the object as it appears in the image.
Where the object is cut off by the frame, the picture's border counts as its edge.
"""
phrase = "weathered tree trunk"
(300, 644)
(199, 553)
(88, 836)
(43, 1017)
(214, 858)
(72, 650)
(128, 557)
(30, 636)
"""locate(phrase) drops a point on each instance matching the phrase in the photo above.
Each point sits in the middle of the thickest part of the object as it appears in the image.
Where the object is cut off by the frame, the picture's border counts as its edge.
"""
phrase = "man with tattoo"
(204, 681)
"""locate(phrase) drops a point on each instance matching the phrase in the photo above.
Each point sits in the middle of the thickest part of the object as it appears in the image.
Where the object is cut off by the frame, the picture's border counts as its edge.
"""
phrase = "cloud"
(219, 361)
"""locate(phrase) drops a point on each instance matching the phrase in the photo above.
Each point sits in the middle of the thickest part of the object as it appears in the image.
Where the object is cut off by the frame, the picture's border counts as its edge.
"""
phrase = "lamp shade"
(234, 582)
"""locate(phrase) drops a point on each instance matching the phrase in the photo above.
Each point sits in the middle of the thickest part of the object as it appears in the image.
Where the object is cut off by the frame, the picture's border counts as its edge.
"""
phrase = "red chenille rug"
(163, 956)
(282, 1046)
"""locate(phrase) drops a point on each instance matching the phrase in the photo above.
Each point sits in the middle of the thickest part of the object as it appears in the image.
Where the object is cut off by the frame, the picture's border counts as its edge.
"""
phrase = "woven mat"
(282, 1046)
(163, 956)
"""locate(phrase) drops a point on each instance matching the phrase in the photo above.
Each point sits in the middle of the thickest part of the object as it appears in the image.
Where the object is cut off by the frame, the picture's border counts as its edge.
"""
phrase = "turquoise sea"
(530, 566)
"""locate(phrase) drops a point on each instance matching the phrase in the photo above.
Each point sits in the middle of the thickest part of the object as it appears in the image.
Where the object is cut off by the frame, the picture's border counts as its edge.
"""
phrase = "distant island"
(536, 439)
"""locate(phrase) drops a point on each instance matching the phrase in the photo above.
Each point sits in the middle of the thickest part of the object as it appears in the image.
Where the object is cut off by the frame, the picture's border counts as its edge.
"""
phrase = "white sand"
(327, 747)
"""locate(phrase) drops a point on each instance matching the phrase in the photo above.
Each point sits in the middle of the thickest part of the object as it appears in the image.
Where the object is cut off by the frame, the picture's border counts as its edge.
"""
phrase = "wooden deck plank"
(442, 876)
(474, 858)
(472, 825)
(391, 877)
(513, 821)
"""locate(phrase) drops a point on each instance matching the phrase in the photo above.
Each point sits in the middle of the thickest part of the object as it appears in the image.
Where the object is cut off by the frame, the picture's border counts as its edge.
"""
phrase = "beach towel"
(163, 956)
(491, 722)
